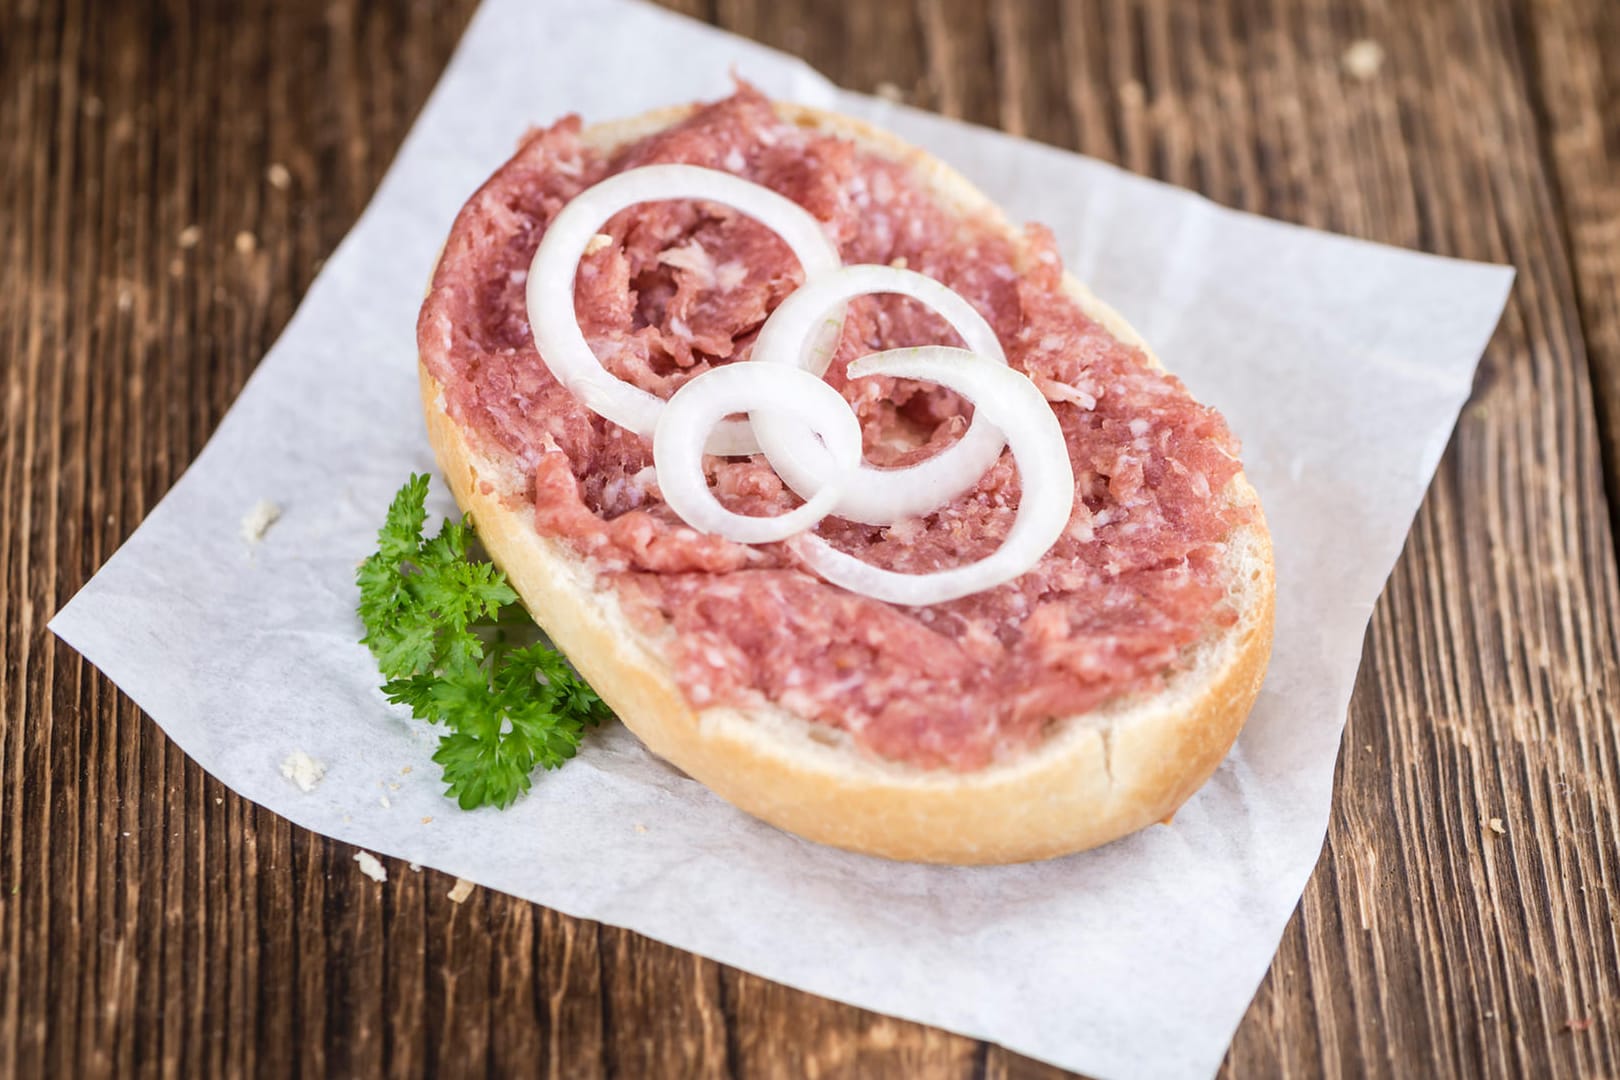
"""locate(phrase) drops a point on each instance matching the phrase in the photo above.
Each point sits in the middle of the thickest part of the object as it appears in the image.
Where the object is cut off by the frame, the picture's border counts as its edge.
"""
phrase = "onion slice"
(805, 428)
(1011, 401)
(879, 496)
(550, 290)
(696, 408)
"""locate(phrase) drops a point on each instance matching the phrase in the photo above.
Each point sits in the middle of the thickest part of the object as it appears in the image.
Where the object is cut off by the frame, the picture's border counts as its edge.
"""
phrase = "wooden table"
(172, 175)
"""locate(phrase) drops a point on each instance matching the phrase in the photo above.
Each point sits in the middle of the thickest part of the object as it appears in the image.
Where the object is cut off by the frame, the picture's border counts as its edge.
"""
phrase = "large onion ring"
(1045, 477)
(696, 408)
(878, 496)
(550, 289)
(806, 429)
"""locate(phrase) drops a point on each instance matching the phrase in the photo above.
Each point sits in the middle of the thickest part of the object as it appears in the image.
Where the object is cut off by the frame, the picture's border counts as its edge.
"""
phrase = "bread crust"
(1096, 777)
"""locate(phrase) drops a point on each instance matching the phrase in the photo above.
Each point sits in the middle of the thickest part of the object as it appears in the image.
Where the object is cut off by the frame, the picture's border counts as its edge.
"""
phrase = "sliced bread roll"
(1091, 778)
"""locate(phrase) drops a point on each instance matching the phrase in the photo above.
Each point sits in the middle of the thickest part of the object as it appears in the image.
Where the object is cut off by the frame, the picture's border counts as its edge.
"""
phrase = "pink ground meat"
(685, 286)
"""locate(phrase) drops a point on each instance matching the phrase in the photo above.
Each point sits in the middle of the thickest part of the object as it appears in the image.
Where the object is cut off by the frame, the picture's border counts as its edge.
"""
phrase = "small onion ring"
(1045, 476)
(696, 408)
(550, 289)
(879, 496)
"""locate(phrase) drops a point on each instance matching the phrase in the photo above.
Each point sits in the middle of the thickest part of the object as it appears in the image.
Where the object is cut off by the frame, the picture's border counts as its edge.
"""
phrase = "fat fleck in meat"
(685, 286)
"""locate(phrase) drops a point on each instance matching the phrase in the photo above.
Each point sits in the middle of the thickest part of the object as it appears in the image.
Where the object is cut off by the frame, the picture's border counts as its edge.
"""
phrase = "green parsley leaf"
(434, 621)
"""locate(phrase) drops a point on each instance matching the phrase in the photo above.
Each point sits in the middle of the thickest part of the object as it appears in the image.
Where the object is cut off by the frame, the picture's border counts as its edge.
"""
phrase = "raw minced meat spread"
(684, 286)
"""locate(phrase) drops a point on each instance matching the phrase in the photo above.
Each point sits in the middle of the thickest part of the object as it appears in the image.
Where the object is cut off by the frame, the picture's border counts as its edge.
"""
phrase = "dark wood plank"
(151, 922)
(1574, 61)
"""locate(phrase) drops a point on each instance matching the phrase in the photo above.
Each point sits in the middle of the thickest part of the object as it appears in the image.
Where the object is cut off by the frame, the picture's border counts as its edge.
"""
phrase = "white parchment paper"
(1341, 364)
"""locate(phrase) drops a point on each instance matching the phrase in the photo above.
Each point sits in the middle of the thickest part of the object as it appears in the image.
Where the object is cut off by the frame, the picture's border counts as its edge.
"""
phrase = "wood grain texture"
(175, 174)
(1573, 57)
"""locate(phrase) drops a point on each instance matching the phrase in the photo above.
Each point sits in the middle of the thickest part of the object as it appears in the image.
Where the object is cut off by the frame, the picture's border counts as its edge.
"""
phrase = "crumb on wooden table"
(1363, 59)
(371, 866)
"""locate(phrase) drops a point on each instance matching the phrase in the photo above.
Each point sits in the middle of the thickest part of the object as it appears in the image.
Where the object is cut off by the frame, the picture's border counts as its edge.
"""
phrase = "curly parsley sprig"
(433, 619)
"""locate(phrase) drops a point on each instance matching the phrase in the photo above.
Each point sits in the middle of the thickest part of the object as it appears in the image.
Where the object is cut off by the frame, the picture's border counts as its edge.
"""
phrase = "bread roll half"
(1095, 776)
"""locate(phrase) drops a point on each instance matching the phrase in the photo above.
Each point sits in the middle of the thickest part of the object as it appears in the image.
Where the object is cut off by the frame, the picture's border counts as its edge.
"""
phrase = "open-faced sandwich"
(838, 490)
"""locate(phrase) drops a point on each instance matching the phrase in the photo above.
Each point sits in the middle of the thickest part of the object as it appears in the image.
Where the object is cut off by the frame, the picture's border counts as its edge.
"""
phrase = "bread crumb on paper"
(1495, 825)
(371, 866)
(303, 770)
(1363, 59)
(640, 828)
(460, 890)
(385, 803)
(257, 521)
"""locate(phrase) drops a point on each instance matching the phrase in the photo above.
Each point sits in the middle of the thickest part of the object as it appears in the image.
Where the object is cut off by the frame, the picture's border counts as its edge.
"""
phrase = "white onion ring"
(550, 290)
(879, 496)
(806, 429)
(696, 408)
(1045, 476)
